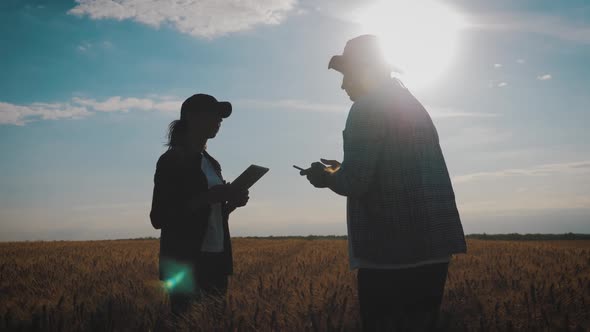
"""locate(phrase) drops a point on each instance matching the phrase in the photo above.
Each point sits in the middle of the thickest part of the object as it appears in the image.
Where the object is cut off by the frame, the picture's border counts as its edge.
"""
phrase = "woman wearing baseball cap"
(191, 204)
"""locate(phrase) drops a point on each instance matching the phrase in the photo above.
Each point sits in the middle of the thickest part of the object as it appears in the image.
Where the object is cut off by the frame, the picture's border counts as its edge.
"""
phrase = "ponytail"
(177, 131)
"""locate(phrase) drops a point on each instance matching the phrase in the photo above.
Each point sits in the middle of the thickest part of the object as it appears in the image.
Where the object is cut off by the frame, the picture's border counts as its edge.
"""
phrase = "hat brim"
(341, 64)
(224, 108)
(338, 63)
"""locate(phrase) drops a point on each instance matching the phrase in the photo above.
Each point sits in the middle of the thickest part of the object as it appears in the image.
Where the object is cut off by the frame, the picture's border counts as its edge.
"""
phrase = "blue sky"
(88, 88)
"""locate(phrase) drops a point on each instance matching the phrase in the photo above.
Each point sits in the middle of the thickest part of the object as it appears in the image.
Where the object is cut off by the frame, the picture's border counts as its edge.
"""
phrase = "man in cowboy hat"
(403, 223)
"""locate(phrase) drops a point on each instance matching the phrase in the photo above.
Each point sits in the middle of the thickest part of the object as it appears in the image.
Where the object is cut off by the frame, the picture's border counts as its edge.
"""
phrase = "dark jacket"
(179, 178)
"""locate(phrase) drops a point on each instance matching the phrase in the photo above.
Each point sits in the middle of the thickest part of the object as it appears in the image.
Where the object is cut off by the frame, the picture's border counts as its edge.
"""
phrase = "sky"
(88, 87)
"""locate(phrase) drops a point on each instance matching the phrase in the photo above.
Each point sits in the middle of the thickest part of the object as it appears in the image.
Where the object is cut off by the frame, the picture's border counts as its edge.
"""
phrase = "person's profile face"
(351, 84)
(207, 123)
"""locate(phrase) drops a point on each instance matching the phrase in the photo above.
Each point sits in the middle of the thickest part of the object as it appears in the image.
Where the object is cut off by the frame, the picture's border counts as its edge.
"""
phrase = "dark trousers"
(210, 279)
(401, 300)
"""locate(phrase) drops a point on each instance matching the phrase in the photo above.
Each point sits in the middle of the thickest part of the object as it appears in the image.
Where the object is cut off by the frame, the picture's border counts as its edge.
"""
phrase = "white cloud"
(20, 114)
(110, 206)
(561, 185)
(199, 18)
(118, 104)
(449, 112)
(469, 138)
(520, 61)
(549, 25)
(544, 77)
(293, 104)
(346, 10)
(497, 84)
(497, 65)
(85, 46)
(77, 108)
(310, 106)
(539, 170)
(524, 202)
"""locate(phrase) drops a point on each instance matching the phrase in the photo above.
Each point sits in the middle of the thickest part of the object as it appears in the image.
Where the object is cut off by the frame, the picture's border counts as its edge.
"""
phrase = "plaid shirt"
(401, 205)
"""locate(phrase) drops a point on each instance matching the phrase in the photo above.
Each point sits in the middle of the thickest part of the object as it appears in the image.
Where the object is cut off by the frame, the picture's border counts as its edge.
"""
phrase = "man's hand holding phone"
(318, 173)
(329, 165)
(332, 165)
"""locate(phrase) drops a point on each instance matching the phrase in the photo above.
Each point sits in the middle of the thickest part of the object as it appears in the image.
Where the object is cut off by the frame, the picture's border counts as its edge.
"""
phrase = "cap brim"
(224, 108)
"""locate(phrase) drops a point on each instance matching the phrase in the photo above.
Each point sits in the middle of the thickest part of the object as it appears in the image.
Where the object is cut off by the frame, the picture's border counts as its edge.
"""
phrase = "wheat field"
(284, 285)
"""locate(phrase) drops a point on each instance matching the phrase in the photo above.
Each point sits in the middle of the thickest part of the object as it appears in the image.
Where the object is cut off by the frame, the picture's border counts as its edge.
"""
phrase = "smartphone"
(302, 171)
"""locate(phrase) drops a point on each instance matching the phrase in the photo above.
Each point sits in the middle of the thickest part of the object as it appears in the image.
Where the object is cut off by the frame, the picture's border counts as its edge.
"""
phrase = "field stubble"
(293, 284)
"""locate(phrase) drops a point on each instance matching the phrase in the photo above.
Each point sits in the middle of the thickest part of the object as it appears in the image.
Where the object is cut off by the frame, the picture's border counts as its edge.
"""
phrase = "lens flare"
(171, 283)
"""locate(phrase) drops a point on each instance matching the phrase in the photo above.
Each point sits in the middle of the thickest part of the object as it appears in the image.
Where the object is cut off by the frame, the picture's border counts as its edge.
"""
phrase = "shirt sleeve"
(362, 142)
(168, 207)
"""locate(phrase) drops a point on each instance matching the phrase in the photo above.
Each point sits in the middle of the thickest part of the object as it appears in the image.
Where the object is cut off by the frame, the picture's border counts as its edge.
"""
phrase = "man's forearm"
(333, 182)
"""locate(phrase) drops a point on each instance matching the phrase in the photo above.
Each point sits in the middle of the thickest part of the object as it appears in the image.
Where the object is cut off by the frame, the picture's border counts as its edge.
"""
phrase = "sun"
(420, 37)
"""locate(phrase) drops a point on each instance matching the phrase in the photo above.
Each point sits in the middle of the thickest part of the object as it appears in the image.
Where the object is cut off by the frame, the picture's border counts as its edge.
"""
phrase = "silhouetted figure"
(403, 223)
(191, 204)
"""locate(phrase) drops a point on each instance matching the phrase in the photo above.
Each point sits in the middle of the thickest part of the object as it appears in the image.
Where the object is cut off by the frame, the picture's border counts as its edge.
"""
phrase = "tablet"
(249, 177)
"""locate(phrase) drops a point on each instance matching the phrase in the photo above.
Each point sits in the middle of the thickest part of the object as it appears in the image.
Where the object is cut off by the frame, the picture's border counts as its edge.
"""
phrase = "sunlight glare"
(418, 36)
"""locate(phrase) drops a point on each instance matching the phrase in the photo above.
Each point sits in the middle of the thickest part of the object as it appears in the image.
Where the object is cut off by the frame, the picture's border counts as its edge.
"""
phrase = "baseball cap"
(361, 52)
(204, 103)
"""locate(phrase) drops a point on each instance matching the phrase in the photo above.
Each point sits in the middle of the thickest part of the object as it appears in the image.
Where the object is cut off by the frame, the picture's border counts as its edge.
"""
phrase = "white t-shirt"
(213, 241)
